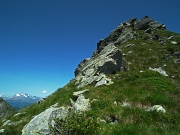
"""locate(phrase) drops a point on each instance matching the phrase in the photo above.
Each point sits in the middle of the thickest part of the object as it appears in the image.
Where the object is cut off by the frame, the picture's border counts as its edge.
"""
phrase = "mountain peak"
(20, 100)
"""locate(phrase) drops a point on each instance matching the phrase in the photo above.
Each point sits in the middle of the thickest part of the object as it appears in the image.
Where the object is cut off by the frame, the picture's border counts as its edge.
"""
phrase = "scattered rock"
(141, 71)
(130, 51)
(77, 93)
(159, 70)
(170, 37)
(129, 45)
(94, 100)
(8, 122)
(115, 102)
(17, 114)
(157, 108)
(2, 130)
(126, 104)
(173, 42)
(143, 43)
(101, 120)
(81, 104)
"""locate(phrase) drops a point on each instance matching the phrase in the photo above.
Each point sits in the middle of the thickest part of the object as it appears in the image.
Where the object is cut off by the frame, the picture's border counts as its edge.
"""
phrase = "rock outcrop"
(93, 70)
(5, 109)
(107, 59)
(127, 31)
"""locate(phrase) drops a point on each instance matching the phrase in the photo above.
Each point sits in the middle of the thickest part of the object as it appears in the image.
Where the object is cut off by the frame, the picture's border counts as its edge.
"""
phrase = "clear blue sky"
(43, 41)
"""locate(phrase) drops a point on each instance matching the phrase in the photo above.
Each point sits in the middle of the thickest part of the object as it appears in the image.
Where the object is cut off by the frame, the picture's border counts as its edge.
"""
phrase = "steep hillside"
(132, 82)
(5, 109)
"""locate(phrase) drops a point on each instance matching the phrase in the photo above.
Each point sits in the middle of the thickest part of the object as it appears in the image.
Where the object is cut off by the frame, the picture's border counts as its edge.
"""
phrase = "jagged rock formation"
(41, 123)
(5, 109)
(93, 70)
(127, 31)
(107, 59)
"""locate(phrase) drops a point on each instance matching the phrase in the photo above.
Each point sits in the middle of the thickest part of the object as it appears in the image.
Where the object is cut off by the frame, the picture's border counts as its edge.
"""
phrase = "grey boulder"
(40, 124)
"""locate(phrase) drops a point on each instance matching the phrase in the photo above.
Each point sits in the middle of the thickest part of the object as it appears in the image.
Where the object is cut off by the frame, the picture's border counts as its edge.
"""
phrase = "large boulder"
(93, 70)
(5, 109)
(41, 123)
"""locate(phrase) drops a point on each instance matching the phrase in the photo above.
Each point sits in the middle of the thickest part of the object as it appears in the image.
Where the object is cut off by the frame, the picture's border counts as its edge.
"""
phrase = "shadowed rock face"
(5, 109)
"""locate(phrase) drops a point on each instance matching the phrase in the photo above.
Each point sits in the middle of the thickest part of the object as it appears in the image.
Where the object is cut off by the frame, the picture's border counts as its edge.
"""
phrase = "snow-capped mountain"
(21, 100)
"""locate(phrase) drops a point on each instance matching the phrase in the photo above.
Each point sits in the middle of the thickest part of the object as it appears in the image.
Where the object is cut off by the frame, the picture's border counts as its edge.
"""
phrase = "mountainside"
(5, 109)
(130, 86)
(20, 101)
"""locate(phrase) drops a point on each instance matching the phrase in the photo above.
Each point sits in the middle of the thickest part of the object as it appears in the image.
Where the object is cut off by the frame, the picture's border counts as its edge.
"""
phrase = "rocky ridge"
(107, 59)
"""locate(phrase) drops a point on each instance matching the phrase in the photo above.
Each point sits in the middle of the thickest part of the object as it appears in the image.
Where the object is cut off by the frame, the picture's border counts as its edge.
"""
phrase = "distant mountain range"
(20, 101)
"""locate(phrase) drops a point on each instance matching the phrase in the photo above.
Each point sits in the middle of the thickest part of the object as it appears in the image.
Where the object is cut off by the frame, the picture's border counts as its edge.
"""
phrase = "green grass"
(140, 89)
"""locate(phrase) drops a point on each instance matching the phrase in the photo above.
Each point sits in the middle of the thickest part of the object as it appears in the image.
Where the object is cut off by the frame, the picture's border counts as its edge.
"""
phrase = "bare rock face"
(5, 109)
(93, 70)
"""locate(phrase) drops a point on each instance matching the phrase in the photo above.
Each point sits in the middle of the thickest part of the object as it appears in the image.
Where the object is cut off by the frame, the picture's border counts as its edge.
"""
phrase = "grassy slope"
(140, 89)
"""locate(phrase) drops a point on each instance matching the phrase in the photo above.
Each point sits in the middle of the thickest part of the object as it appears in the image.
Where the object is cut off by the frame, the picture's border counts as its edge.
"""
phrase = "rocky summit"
(130, 85)
(107, 59)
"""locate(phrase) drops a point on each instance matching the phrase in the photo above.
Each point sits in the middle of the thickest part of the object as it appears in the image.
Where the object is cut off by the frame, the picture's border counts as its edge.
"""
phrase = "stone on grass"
(81, 104)
(8, 122)
(17, 114)
(40, 123)
(77, 93)
(2, 130)
(173, 42)
(159, 70)
(157, 108)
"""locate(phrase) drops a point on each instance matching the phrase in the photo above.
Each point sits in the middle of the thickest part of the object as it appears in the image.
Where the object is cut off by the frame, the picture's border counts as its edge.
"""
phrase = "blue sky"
(43, 41)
